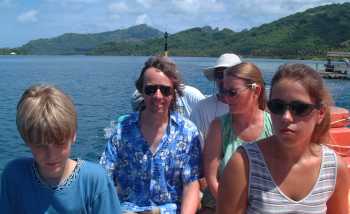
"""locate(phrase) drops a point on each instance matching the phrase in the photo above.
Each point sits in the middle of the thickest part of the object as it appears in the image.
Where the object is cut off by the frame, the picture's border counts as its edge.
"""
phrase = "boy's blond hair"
(46, 115)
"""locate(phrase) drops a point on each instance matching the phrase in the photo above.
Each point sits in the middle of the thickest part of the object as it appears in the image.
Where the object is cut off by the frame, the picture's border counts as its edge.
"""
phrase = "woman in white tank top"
(292, 171)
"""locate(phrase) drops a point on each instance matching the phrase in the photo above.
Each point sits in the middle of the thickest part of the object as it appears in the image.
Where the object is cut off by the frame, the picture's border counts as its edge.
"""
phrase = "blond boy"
(51, 182)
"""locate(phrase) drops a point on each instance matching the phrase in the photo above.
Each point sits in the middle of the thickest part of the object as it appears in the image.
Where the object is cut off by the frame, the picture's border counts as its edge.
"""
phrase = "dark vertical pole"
(166, 44)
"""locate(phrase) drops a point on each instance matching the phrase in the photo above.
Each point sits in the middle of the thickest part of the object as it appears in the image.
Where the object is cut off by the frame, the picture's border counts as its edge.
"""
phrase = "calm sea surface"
(101, 88)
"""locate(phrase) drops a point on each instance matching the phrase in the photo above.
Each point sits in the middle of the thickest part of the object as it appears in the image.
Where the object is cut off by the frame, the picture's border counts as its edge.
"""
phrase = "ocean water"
(101, 87)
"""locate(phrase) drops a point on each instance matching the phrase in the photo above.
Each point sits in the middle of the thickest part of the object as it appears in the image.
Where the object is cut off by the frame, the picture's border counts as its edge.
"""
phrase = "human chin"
(51, 170)
(159, 107)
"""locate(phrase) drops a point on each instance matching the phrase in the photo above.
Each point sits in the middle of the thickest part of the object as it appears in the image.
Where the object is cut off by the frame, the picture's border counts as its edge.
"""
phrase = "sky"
(25, 20)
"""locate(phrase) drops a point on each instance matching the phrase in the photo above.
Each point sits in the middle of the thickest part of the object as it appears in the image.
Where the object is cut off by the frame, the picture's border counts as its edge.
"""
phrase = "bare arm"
(339, 201)
(211, 156)
(233, 187)
(190, 198)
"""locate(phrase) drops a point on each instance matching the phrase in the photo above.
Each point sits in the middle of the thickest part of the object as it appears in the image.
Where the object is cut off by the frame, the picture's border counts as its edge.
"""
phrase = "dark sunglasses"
(232, 92)
(219, 73)
(152, 89)
(297, 108)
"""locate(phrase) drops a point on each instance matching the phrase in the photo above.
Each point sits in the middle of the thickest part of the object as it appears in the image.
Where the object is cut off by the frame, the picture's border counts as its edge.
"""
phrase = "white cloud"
(73, 1)
(82, 1)
(6, 3)
(60, 16)
(187, 5)
(114, 17)
(146, 3)
(199, 6)
(29, 16)
(143, 19)
(276, 8)
(213, 6)
(119, 7)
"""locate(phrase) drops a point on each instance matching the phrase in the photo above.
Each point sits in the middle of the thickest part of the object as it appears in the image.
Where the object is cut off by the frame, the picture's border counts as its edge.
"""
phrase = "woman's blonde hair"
(250, 73)
(46, 115)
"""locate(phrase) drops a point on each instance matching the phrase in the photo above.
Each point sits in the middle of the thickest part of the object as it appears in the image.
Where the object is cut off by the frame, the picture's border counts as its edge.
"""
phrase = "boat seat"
(340, 133)
(340, 140)
(340, 117)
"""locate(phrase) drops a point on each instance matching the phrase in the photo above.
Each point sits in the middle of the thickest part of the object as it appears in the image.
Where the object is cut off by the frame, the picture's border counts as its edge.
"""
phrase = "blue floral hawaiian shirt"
(145, 179)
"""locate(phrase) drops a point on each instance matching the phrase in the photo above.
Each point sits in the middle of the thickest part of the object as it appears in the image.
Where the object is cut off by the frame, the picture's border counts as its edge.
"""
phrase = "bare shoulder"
(233, 196)
(338, 202)
(214, 134)
(342, 173)
(238, 165)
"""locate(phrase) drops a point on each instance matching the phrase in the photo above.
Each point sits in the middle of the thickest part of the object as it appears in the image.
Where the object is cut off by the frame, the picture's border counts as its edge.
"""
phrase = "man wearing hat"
(213, 106)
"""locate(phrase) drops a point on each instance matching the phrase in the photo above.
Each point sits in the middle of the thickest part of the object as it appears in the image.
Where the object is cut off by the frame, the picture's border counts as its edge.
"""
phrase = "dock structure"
(338, 54)
(340, 69)
(333, 75)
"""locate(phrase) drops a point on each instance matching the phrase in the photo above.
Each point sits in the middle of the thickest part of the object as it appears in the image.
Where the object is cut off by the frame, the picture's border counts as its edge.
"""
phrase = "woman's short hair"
(311, 80)
(168, 67)
(250, 73)
(46, 115)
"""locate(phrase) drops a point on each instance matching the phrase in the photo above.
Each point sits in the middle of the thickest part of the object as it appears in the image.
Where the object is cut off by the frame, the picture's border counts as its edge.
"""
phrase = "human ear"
(321, 114)
(256, 88)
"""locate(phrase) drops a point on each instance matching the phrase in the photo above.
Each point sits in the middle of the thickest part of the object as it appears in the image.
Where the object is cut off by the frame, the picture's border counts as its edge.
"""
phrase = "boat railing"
(346, 120)
(340, 133)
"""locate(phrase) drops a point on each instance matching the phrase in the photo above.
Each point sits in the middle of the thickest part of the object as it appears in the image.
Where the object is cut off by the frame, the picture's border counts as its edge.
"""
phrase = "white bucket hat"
(225, 60)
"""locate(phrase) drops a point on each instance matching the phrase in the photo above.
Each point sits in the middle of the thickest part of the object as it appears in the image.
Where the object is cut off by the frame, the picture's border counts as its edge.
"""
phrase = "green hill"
(73, 43)
(192, 42)
(306, 34)
(10, 51)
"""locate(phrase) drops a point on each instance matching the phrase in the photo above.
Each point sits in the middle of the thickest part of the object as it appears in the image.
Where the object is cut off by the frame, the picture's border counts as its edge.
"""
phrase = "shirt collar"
(174, 118)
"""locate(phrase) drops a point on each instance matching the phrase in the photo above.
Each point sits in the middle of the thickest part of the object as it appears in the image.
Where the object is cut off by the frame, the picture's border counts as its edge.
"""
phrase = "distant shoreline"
(320, 58)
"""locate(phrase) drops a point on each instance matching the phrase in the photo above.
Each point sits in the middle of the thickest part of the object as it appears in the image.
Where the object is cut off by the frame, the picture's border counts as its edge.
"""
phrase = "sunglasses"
(297, 108)
(152, 89)
(232, 92)
(219, 73)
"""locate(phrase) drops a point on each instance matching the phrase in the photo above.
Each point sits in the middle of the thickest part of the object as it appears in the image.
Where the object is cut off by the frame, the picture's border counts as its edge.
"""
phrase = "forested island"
(305, 35)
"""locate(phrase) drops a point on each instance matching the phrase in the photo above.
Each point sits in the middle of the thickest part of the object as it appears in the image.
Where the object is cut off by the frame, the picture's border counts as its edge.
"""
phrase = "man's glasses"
(297, 108)
(152, 89)
(219, 73)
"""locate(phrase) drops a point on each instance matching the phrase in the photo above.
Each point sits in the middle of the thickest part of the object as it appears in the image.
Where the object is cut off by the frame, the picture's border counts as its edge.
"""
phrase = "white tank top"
(264, 196)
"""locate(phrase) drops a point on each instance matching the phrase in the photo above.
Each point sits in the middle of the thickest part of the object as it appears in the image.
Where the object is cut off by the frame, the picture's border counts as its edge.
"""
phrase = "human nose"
(287, 115)
(158, 93)
(51, 151)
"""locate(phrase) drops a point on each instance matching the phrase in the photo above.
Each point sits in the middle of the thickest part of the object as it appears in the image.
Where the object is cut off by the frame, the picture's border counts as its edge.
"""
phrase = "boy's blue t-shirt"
(87, 190)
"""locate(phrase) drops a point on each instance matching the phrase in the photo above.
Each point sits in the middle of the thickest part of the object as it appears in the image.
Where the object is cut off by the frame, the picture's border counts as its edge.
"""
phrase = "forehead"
(154, 76)
(290, 90)
(233, 82)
